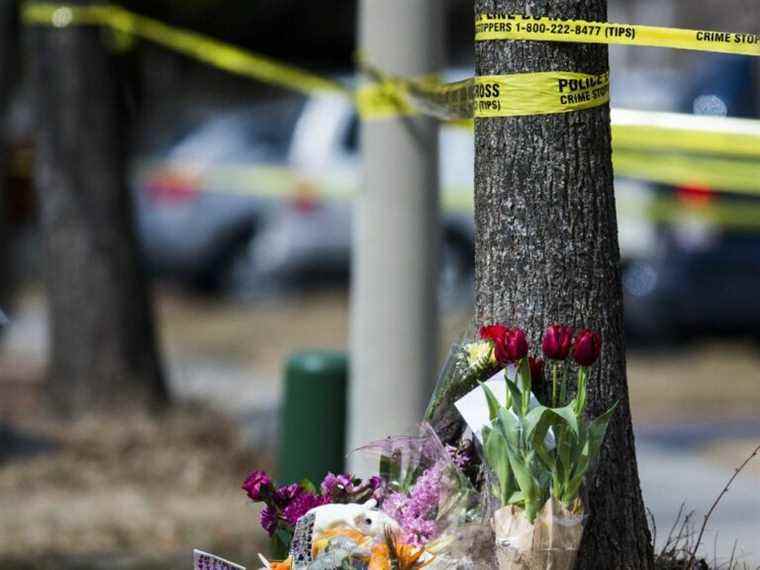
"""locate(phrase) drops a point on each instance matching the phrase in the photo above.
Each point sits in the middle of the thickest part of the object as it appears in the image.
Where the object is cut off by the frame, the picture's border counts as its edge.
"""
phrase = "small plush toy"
(365, 519)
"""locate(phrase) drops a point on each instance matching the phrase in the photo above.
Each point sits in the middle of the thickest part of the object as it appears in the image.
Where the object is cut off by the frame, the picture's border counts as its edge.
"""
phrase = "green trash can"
(313, 420)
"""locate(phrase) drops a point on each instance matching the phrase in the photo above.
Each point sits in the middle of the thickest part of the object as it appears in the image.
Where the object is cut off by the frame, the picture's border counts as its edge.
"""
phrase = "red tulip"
(536, 369)
(558, 339)
(586, 347)
(515, 345)
(493, 333)
(496, 334)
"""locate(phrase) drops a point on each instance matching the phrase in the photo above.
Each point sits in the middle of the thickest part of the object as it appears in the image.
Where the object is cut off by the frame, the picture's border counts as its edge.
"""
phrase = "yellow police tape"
(654, 138)
(495, 96)
(516, 27)
(484, 96)
(491, 96)
(719, 174)
(198, 46)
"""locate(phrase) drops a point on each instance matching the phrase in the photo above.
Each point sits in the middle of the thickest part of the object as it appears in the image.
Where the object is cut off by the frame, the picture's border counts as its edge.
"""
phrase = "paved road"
(670, 478)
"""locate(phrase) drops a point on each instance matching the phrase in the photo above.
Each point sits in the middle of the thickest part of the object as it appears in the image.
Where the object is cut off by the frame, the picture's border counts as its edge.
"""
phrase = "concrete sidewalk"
(670, 479)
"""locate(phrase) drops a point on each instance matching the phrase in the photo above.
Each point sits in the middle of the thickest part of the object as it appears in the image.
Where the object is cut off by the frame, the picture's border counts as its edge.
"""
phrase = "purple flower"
(459, 457)
(268, 519)
(301, 505)
(256, 485)
(332, 483)
(375, 482)
(286, 493)
(416, 511)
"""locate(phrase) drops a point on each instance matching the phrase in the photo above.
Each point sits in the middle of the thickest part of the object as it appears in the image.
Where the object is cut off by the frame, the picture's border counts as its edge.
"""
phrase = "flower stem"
(554, 384)
(563, 391)
(580, 398)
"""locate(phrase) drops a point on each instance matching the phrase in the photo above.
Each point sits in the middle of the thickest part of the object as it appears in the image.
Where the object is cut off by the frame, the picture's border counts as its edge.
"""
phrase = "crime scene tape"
(484, 96)
(493, 96)
(516, 27)
(651, 131)
(655, 147)
(198, 46)
(721, 174)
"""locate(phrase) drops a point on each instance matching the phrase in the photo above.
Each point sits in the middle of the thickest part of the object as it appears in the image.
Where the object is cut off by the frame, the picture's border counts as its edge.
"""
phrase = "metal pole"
(394, 324)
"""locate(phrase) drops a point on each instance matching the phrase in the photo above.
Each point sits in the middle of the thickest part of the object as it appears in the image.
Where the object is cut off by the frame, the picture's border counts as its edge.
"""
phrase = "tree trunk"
(547, 251)
(104, 353)
(8, 68)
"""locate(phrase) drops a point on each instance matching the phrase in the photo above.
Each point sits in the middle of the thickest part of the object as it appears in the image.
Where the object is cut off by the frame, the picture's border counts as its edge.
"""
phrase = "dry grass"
(130, 485)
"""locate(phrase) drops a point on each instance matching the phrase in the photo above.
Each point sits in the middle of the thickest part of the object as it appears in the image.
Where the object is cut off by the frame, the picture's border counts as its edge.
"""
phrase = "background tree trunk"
(547, 251)
(8, 68)
(104, 352)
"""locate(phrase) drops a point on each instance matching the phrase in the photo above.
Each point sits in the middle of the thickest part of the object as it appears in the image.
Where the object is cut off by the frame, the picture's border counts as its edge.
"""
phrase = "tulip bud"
(557, 341)
(515, 345)
(496, 334)
(586, 347)
(536, 369)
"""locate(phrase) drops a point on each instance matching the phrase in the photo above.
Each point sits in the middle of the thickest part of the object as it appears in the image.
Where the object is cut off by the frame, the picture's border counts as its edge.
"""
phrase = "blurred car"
(257, 200)
(701, 272)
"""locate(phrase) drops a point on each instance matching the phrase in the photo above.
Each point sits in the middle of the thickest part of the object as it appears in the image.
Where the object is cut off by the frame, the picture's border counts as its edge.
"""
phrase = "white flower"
(479, 354)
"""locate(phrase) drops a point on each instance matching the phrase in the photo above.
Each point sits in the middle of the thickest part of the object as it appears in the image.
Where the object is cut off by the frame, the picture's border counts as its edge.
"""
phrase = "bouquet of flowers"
(494, 478)
(401, 518)
(536, 455)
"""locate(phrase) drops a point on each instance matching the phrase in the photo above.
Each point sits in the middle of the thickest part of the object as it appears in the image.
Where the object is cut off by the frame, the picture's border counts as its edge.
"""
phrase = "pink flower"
(257, 485)
(301, 505)
(415, 511)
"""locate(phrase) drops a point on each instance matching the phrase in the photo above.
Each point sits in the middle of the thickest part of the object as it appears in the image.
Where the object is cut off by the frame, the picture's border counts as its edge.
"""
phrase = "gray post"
(394, 326)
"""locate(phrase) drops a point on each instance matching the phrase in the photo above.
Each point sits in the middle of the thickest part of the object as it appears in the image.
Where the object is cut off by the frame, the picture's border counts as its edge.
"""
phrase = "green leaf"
(537, 424)
(493, 403)
(568, 415)
(307, 485)
(591, 445)
(517, 397)
(523, 377)
(524, 477)
(566, 450)
(515, 498)
(510, 427)
(495, 450)
(597, 430)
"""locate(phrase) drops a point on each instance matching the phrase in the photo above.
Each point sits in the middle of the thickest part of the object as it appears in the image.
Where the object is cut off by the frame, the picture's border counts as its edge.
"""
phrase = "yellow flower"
(479, 354)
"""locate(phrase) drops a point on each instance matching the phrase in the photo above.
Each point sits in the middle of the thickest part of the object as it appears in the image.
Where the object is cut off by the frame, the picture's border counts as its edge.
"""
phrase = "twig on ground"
(690, 564)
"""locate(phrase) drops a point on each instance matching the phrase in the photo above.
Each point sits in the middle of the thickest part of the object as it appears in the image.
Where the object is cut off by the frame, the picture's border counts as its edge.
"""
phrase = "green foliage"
(527, 469)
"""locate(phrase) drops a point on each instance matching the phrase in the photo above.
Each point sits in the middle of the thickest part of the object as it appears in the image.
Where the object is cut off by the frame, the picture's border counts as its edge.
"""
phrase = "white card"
(474, 406)
(204, 561)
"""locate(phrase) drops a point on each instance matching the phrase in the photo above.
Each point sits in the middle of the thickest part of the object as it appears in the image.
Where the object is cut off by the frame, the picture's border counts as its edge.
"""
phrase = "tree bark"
(547, 251)
(104, 354)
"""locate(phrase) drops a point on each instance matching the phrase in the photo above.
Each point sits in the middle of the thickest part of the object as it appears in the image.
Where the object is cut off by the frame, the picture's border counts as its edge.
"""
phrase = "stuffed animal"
(365, 519)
